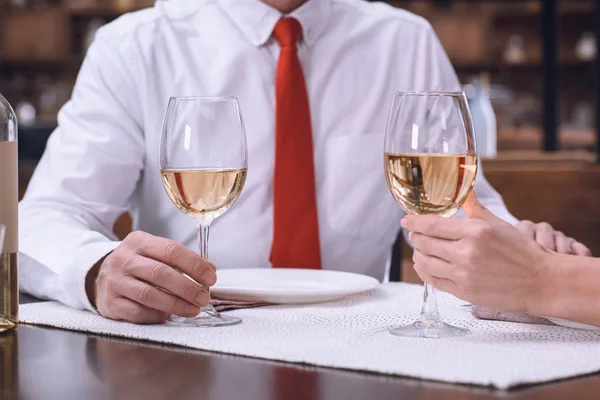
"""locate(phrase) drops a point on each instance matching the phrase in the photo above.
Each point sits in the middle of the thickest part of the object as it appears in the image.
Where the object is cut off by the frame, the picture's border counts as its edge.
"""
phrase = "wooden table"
(43, 363)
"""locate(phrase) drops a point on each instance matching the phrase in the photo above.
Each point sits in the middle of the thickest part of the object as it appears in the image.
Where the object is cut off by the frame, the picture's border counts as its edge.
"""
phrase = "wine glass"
(203, 162)
(430, 166)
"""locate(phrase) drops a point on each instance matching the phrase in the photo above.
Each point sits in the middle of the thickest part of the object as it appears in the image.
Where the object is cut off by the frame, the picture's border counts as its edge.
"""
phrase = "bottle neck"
(8, 122)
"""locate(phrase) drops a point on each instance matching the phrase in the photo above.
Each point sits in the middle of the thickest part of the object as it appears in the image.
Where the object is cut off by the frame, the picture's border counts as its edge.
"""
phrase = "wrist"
(90, 281)
(546, 286)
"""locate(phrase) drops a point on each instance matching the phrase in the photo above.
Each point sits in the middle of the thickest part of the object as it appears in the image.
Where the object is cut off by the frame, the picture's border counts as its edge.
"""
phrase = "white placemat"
(353, 334)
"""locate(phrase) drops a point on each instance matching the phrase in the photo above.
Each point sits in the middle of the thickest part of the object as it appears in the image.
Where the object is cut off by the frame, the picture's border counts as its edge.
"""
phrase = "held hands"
(139, 281)
(483, 260)
(544, 234)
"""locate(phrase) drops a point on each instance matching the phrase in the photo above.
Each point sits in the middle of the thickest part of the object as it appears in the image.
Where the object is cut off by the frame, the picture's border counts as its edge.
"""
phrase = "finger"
(177, 256)
(563, 243)
(527, 227)
(433, 266)
(431, 246)
(475, 210)
(580, 249)
(544, 235)
(123, 309)
(156, 299)
(159, 274)
(445, 285)
(435, 226)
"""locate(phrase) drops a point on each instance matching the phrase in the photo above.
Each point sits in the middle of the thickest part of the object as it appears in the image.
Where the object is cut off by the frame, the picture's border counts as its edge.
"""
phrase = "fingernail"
(410, 234)
(209, 278)
(404, 222)
(213, 266)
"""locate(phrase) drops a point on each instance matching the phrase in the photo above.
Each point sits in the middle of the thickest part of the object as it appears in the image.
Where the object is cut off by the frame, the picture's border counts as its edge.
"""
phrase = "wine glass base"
(204, 320)
(429, 329)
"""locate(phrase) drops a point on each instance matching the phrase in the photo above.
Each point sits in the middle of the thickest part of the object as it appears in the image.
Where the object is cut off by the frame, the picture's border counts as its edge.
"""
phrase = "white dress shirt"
(103, 158)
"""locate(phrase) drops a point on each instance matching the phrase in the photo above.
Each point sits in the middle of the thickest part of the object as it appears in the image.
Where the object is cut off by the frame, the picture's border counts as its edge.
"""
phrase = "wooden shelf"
(521, 67)
(99, 12)
(31, 64)
(9, 11)
(103, 8)
(528, 158)
(584, 8)
(531, 139)
(73, 9)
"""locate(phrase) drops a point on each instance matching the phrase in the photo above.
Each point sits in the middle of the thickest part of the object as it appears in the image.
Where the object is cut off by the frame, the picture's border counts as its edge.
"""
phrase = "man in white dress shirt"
(103, 158)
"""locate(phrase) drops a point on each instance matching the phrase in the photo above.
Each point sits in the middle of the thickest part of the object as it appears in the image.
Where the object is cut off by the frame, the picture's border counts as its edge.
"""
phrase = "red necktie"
(295, 225)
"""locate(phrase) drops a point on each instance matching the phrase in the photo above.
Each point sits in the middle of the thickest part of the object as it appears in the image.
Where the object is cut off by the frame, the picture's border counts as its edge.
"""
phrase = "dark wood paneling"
(565, 195)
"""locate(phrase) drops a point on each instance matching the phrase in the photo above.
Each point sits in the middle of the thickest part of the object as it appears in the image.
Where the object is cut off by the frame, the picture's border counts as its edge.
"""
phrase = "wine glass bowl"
(430, 164)
(430, 183)
(203, 162)
(204, 194)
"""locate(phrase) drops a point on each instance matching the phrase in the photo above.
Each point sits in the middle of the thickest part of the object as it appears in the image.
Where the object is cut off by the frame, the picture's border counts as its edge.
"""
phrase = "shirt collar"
(257, 20)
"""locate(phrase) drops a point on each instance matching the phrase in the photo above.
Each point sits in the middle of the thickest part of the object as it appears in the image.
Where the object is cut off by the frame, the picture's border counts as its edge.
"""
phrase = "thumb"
(474, 209)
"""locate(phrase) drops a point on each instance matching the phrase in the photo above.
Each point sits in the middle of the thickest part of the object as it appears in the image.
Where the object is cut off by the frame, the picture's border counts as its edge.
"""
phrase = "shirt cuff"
(73, 281)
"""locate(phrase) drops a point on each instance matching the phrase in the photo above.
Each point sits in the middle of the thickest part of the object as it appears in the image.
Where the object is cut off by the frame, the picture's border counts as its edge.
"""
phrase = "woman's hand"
(483, 259)
(544, 234)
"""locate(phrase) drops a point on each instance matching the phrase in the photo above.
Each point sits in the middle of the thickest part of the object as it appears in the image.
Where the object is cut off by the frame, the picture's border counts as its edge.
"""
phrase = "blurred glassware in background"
(26, 113)
(46, 89)
(586, 47)
(90, 32)
(582, 117)
(52, 93)
(484, 117)
(18, 87)
(515, 50)
(18, 3)
(23, 4)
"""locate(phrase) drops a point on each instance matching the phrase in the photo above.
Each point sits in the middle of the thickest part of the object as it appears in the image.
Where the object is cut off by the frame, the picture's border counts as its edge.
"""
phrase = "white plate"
(571, 324)
(288, 286)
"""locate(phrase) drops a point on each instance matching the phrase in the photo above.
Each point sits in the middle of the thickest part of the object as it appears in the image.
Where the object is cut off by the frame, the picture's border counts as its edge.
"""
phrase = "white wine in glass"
(204, 194)
(430, 166)
(431, 183)
(204, 161)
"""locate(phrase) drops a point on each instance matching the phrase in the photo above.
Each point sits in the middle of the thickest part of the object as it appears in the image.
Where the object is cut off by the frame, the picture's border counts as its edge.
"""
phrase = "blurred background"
(529, 68)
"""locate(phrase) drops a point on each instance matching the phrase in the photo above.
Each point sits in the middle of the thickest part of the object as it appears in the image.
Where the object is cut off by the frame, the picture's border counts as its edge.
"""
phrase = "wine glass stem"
(429, 312)
(203, 231)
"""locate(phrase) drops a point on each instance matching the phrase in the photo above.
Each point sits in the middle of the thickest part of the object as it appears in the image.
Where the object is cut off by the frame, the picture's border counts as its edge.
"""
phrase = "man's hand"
(483, 259)
(140, 282)
(544, 234)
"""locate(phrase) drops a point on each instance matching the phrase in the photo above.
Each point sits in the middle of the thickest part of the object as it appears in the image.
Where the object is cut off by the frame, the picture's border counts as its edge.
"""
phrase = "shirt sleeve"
(84, 181)
(443, 77)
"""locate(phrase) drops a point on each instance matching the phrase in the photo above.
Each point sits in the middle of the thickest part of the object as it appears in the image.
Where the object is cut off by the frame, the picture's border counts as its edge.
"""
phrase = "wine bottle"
(9, 198)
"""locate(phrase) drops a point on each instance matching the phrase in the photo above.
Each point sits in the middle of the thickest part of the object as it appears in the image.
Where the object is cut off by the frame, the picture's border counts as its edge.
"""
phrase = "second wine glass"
(203, 161)
(430, 166)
